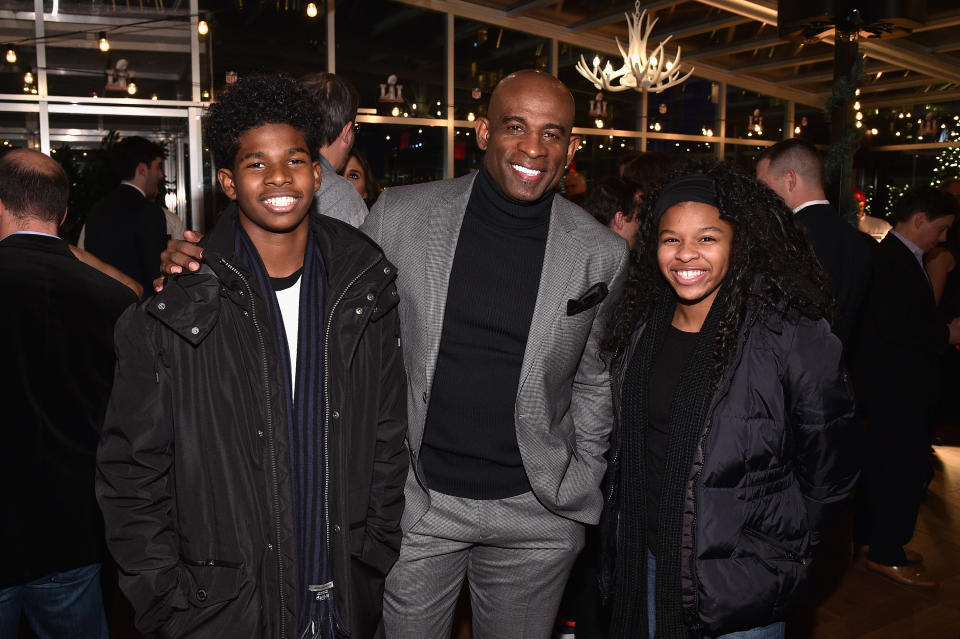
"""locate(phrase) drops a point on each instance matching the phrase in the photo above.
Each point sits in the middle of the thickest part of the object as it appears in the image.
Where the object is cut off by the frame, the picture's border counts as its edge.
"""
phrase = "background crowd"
(749, 335)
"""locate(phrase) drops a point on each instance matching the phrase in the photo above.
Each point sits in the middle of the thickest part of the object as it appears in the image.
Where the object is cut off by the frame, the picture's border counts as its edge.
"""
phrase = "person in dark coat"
(735, 432)
(56, 368)
(252, 465)
(127, 229)
(794, 170)
(897, 378)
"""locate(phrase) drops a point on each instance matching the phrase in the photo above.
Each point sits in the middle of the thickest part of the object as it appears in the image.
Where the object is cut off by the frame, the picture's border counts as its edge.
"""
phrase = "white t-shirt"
(289, 301)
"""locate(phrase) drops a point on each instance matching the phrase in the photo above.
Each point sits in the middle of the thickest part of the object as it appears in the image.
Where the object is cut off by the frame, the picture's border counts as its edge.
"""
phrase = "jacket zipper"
(326, 427)
(722, 389)
(270, 439)
(774, 543)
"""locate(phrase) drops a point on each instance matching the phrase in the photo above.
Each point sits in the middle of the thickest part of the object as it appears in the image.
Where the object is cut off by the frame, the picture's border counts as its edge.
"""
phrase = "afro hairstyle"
(254, 101)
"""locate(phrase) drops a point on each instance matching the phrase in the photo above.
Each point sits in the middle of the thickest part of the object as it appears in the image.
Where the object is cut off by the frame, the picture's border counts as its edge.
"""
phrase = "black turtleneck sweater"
(470, 440)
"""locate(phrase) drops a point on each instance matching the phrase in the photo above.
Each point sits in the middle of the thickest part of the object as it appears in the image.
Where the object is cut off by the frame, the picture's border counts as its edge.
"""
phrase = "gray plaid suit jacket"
(563, 410)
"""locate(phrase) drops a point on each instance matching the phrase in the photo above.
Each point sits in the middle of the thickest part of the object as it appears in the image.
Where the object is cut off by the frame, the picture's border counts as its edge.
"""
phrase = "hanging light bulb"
(11, 55)
(312, 10)
(104, 43)
(599, 123)
(856, 105)
(471, 117)
(796, 130)
(203, 28)
(28, 78)
(154, 97)
(132, 88)
(395, 112)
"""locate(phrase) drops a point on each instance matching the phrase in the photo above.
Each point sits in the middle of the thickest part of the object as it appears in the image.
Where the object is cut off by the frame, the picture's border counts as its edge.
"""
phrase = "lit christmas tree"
(948, 162)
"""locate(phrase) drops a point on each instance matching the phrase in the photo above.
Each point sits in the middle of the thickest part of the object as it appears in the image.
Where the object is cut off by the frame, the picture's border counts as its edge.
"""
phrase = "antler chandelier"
(639, 71)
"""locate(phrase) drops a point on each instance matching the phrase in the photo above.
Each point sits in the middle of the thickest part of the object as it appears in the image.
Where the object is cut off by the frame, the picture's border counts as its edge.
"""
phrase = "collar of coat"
(189, 303)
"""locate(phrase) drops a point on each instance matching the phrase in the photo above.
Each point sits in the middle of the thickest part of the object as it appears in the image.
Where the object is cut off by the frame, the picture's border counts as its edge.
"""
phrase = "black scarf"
(691, 400)
(305, 425)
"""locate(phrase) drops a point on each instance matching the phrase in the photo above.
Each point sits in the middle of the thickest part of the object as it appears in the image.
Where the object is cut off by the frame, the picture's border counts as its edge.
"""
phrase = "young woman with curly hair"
(735, 423)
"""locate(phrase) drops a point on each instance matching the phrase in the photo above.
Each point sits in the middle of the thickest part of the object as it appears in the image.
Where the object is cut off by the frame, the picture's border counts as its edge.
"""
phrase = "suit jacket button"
(371, 296)
(201, 595)
(335, 414)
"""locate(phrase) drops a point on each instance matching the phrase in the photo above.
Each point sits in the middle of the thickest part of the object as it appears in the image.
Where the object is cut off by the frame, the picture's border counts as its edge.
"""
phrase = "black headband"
(695, 187)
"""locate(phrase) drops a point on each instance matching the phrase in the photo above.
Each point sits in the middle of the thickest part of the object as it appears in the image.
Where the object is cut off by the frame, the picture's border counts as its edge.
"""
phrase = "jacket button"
(371, 296)
(335, 414)
(386, 270)
(201, 595)
(195, 330)
(359, 310)
(336, 528)
(259, 433)
(269, 546)
(161, 306)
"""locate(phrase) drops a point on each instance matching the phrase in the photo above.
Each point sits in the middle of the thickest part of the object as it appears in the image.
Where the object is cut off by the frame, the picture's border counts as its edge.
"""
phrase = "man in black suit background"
(794, 170)
(127, 229)
(897, 379)
(56, 370)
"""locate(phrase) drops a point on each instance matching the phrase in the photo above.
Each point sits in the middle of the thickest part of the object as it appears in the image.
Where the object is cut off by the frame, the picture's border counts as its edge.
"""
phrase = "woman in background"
(357, 170)
(735, 428)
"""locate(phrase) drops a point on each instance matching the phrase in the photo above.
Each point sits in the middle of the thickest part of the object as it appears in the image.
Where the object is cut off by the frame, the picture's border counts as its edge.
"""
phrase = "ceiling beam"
(524, 6)
(698, 28)
(739, 47)
(903, 83)
(602, 44)
(900, 52)
(911, 56)
(930, 97)
(827, 76)
(761, 12)
(782, 63)
(614, 15)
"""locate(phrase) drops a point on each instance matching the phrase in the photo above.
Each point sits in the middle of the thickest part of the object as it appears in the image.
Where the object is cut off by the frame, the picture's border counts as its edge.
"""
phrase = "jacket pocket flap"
(211, 581)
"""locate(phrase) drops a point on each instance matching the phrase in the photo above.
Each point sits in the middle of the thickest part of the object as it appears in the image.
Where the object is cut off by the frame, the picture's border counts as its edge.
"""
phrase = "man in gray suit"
(502, 297)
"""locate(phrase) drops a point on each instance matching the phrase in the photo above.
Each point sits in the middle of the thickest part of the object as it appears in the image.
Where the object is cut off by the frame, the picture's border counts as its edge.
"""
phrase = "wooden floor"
(851, 603)
(860, 604)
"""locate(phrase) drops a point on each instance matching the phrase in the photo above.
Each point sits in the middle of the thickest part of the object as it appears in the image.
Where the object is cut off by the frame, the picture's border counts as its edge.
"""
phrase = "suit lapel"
(560, 260)
(443, 225)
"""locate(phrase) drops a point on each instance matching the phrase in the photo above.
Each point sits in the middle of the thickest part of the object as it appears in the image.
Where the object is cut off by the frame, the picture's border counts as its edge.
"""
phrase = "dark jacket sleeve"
(382, 543)
(134, 482)
(822, 417)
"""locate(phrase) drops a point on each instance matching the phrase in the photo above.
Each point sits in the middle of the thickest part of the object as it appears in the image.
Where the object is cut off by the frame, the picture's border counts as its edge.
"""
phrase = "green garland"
(841, 151)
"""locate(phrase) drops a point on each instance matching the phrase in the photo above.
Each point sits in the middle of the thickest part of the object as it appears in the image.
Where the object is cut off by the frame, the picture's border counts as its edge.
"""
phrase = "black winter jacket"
(776, 455)
(193, 472)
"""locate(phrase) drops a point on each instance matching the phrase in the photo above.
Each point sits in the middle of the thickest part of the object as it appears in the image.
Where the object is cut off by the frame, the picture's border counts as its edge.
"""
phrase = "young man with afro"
(252, 463)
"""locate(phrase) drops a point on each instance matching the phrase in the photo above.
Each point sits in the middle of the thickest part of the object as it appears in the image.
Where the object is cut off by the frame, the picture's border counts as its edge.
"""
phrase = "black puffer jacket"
(776, 454)
(193, 472)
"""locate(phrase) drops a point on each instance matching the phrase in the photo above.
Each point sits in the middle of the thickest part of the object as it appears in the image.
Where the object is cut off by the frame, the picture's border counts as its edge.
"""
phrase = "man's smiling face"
(526, 135)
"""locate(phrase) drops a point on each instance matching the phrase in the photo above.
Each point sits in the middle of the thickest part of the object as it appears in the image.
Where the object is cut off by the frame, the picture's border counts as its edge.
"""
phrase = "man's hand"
(954, 327)
(180, 255)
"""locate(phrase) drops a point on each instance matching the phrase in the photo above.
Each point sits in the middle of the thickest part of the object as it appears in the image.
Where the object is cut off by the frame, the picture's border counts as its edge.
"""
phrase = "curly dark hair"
(254, 101)
(771, 261)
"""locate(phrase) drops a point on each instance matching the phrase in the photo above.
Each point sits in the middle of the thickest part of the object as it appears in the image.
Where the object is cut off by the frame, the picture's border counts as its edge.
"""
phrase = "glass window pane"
(621, 109)
(751, 115)
(484, 54)
(402, 154)
(264, 37)
(18, 130)
(81, 144)
(393, 54)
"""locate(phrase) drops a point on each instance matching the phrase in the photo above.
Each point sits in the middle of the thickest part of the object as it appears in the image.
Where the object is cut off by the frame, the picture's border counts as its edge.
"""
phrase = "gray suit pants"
(514, 553)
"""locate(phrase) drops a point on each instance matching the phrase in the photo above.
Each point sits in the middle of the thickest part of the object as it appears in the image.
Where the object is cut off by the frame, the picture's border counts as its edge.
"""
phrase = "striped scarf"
(305, 425)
